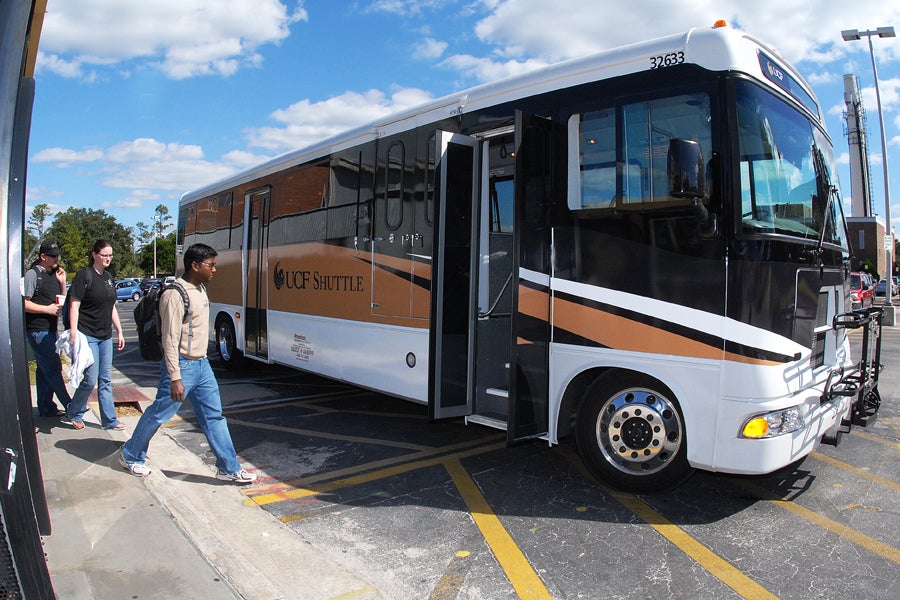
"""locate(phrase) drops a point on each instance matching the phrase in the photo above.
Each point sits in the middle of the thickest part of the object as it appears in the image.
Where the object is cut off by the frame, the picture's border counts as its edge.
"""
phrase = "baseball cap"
(50, 248)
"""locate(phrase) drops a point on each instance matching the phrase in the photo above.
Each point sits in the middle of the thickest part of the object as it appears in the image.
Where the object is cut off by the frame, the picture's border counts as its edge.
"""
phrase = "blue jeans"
(48, 375)
(202, 389)
(99, 374)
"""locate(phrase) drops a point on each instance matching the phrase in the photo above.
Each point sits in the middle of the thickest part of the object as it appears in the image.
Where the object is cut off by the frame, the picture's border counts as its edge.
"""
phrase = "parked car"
(128, 289)
(881, 287)
(149, 282)
(862, 291)
(896, 281)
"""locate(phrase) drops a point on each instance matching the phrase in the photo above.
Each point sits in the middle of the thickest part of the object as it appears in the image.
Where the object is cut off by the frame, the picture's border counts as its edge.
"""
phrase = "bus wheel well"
(572, 398)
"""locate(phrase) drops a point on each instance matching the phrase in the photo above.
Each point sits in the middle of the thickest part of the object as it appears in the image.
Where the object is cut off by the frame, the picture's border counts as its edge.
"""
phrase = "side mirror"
(687, 169)
(687, 179)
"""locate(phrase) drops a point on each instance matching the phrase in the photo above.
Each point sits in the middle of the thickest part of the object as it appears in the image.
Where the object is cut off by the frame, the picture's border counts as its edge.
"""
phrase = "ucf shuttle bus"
(644, 249)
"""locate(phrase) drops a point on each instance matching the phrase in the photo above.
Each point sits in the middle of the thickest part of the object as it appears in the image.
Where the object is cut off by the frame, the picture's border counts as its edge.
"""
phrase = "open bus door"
(539, 143)
(255, 264)
(452, 264)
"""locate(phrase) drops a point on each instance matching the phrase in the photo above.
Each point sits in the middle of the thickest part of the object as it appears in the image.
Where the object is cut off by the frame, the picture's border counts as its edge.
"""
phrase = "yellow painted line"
(175, 421)
(331, 436)
(369, 466)
(331, 486)
(875, 438)
(354, 593)
(723, 570)
(870, 544)
(448, 586)
(720, 568)
(857, 471)
(518, 570)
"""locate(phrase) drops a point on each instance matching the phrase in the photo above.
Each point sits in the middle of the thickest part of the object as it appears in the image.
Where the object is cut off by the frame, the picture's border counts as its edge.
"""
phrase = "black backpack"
(146, 317)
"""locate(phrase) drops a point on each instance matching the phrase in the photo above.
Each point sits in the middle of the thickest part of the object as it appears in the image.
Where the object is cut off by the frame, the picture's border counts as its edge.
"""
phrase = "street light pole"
(851, 35)
(155, 228)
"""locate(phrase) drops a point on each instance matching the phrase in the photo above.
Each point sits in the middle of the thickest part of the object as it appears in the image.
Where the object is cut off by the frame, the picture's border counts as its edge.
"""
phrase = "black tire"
(630, 433)
(226, 343)
(136, 296)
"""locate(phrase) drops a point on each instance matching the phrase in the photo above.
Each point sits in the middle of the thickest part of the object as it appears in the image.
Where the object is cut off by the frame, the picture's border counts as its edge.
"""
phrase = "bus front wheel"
(630, 433)
(226, 343)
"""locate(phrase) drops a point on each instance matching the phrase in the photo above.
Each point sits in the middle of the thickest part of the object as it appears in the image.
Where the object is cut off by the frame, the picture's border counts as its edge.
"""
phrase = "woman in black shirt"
(93, 313)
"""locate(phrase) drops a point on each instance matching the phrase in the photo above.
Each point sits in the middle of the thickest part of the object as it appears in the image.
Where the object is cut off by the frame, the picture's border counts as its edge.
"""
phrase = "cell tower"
(856, 128)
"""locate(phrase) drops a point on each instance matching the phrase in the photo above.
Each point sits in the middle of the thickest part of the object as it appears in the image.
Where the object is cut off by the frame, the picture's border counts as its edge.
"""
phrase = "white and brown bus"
(644, 248)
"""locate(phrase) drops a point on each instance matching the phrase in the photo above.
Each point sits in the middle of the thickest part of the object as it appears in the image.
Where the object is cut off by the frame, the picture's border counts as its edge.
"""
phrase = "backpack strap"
(188, 314)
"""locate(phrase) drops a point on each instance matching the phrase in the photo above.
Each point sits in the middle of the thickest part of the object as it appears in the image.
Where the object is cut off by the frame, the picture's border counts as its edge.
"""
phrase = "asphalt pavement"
(178, 533)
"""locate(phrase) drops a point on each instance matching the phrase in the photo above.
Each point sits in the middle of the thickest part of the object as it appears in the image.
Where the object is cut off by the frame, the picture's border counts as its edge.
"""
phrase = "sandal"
(117, 427)
(79, 425)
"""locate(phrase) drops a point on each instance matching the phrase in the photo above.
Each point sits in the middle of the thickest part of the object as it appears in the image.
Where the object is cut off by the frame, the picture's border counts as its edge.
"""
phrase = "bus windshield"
(786, 167)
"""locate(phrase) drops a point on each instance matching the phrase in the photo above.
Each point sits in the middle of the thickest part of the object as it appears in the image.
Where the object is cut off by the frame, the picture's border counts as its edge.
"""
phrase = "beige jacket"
(176, 340)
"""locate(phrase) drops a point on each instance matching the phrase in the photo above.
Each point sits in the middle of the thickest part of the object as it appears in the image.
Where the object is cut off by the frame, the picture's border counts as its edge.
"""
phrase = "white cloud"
(182, 38)
(305, 123)
(64, 157)
(404, 8)
(569, 28)
(429, 49)
(486, 69)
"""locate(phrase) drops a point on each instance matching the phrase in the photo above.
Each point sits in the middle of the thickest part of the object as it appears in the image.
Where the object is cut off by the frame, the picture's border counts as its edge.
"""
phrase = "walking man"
(43, 283)
(185, 373)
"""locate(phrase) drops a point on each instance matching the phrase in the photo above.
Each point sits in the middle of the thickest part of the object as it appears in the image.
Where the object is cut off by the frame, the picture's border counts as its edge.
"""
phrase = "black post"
(23, 506)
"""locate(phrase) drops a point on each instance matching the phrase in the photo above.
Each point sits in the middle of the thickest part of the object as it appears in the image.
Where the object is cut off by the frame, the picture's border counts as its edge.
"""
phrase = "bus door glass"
(452, 295)
(494, 291)
(394, 229)
(255, 262)
(539, 180)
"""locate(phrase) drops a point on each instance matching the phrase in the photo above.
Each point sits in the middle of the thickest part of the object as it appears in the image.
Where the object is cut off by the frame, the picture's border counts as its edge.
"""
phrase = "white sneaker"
(240, 476)
(136, 469)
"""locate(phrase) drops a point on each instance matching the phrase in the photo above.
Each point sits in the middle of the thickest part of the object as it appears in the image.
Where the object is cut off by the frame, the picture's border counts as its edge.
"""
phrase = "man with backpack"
(43, 283)
(185, 373)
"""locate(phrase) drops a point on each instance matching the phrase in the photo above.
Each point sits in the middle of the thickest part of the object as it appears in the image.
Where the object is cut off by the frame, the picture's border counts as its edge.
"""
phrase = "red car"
(862, 290)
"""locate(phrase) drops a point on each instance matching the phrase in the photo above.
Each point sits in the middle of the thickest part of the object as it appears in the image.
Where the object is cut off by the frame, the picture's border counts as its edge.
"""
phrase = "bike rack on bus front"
(862, 380)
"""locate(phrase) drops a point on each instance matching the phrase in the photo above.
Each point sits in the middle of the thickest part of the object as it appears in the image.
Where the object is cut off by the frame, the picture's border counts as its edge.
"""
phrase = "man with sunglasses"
(185, 373)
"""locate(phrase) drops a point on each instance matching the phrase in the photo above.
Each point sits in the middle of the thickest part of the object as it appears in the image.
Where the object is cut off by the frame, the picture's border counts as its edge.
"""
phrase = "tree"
(165, 255)
(37, 222)
(78, 228)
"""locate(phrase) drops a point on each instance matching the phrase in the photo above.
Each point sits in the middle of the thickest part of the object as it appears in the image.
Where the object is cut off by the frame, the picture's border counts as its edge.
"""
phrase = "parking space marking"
(518, 570)
(875, 438)
(331, 436)
(860, 539)
(369, 466)
(331, 486)
(448, 586)
(717, 566)
(857, 471)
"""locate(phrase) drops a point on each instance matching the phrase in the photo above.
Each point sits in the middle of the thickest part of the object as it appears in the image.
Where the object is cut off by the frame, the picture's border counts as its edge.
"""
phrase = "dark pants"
(48, 376)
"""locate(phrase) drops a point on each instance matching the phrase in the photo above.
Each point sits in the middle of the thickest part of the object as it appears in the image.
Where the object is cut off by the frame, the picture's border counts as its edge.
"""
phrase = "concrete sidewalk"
(179, 533)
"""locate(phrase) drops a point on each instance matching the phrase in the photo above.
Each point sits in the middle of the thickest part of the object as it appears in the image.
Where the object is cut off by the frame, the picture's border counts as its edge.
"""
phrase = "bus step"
(486, 421)
(497, 392)
(834, 440)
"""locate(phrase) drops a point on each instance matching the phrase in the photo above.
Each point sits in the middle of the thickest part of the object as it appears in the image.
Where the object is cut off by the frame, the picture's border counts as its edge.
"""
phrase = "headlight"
(778, 422)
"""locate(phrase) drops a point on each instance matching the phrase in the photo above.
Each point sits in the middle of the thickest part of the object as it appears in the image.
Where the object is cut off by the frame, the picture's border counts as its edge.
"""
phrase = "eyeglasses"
(105, 255)
(211, 266)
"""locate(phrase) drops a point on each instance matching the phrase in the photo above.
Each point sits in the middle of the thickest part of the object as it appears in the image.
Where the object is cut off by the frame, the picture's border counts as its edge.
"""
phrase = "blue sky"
(139, 102)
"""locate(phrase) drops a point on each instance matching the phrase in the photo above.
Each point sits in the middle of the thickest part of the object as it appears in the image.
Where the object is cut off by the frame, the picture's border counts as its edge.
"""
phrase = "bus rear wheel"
(630, 433)
(226, 343)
